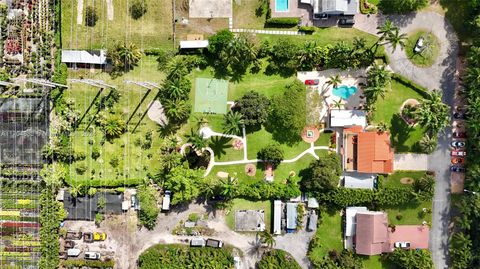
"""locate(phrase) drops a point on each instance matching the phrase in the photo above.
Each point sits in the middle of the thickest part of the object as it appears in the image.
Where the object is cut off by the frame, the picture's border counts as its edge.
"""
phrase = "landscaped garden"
(427, 54)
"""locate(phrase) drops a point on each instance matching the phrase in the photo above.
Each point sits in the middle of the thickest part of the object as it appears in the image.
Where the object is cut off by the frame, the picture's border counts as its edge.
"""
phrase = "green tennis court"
(211, 95)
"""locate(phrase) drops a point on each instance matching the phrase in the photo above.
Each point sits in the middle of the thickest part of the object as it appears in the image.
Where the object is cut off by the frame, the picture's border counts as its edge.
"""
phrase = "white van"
(73, 252)
(166, 201)
(197, 242)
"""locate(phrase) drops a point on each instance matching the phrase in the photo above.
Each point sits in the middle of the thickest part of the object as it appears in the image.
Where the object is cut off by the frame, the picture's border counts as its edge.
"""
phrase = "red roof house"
(371, 233)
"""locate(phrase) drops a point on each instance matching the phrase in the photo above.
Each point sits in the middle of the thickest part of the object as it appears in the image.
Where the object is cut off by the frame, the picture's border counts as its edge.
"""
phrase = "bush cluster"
(307, 29)
(285, 22)
(88, 263)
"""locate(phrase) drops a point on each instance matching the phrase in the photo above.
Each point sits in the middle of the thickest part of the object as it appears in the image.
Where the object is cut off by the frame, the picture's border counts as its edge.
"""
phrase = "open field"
(134, 162)
(152, 30)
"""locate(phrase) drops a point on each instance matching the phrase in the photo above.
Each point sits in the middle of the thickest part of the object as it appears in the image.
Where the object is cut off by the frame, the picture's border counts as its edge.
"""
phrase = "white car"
(402, 244)
(419, 45)
(237, 262)
(89, 255)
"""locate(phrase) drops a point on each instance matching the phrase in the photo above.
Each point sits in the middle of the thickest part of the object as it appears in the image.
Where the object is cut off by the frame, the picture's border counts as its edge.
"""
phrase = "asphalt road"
(441, 75)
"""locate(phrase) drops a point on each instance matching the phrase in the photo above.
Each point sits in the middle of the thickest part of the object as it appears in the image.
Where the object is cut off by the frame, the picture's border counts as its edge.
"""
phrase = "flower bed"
(407, 111)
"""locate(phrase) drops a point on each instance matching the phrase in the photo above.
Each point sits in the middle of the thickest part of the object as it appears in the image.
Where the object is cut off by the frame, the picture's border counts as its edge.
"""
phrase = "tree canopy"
(272, 154)
(254, 108)
(411, 259)
(148, 196)
(321, 175)
(184, 184)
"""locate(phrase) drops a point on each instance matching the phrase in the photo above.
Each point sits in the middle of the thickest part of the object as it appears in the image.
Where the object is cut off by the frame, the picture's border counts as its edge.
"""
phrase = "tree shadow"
(219, 145)
(281, 135)
(400, 131)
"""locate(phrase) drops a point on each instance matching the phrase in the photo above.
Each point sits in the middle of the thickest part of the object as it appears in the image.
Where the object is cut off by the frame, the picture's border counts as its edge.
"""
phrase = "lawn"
(329, 235)
(223, 149)
(404, 137)
(376, 262)
(393, 180)
(323, 140)
(429, 54)
(281, 172)
(241, 204)
(246, 14)
(152, 30)
(134, 162)
(410, 214)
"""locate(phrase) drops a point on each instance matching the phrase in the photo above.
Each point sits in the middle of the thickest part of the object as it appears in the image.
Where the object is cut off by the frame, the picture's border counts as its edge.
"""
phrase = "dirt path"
(80, 12)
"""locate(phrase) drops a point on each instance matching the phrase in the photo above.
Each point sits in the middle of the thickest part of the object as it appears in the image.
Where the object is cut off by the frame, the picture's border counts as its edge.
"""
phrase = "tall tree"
(233, 123)
(334, 80)
(433, 114)
(254, 108)
(396, 39)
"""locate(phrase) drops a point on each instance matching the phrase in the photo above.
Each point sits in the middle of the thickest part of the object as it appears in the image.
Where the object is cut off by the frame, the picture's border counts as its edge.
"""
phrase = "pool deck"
(295, 9)
(349, 78)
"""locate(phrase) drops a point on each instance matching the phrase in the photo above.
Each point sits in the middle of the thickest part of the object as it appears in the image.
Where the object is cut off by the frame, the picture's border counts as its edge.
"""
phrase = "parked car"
(133, 199)
(402, 244)
(214, 243)
(459, 115)
(73, 252)
(69, 244)
(197, 242)
(237, 262)
(346, 22)
(459, 153)
(458, 160)
(458, 144)
(419, 45)
(312, 82)
(98, 236)
(459, 135)
(456, 168)
(90, 255)
(73, 235)
(166, 201)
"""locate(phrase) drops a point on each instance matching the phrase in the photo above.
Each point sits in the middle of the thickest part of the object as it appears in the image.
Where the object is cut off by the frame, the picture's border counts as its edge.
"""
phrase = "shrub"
(148, 213)
(89, 264)
(137, 9)
(114, 162)
(105, 182)
(95, 153)
(81, 168)
(307, 29)
(194, 217)
(402, 6)
(91, 16)
(272, 154)
(277, 258)
(286, 22)
(51, 214)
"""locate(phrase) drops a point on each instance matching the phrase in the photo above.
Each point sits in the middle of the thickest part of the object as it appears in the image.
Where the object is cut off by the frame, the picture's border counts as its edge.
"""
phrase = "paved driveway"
(441, 75)
(411, 162)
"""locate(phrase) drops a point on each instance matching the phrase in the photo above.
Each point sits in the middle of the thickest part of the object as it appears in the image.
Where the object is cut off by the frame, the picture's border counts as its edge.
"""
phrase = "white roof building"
(359, 181)
(350, 220)
(347, 118)
(292, 216)
(98, 57)
(193, 44)
(277, 217)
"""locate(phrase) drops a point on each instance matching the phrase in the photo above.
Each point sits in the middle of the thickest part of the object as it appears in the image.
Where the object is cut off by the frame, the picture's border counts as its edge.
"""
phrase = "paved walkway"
(410, 161)
(441, 75)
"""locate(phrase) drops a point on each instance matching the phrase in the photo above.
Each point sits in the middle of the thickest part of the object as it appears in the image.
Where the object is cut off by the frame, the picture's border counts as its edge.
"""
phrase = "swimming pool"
(281, 5)
(344, 91)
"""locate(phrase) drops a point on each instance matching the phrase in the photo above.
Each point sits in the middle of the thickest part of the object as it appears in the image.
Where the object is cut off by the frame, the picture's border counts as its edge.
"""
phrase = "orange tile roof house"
(367, 152)
(371, 233)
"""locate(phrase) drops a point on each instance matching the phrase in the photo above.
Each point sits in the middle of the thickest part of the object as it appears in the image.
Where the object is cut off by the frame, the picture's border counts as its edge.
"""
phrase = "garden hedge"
(286, 22)
(89, 264)
(307, 29)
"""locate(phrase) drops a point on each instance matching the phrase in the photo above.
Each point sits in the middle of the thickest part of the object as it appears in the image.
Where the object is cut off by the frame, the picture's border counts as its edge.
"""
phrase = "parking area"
(210, 9)
(417, 235)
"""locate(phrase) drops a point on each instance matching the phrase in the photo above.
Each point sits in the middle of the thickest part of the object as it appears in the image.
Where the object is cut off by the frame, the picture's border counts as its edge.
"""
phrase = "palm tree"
(76, 190)
(474, 56)
(433, 114)
(338, 104)
(396, 39)
(233, 122)
(372, 93)
(176, 69)
(113, 126)
(386, 29)
(196, 139)
(382, 127)
(378, 75)
(229, 187)
(177, 110)
(428, 143)
(334, 80)
(176, 88)
(309, 58)
(359, 43)
(126, 56)
(267, 238)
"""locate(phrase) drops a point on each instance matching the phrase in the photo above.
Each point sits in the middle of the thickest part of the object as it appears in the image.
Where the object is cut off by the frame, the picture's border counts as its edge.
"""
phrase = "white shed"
(347, 118)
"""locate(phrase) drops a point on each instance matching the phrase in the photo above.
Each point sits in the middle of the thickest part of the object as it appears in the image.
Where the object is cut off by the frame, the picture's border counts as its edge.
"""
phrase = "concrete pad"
(411, 162)
(210, 9)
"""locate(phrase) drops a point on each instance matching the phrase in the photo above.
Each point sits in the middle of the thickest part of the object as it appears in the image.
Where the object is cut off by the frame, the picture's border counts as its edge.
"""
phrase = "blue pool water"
(344, 91)
(281, 5)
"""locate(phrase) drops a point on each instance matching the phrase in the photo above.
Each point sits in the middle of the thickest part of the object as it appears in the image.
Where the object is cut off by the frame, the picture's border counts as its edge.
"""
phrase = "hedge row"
(283, 22)
(419, 89)
(106, 183)
(307, 29)
(89, 264)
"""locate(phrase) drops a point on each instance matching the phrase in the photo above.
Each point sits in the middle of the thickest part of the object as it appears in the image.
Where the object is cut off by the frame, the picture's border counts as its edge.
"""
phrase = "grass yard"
(281, 172)
(134, 162)
(376, 262)
(393, 180)
(429, 54)
(329, 235)
(241, 204)
(323, 140)
(246, 14)
(411, 214)
(404, 137)
(223, 149)
(152, 30)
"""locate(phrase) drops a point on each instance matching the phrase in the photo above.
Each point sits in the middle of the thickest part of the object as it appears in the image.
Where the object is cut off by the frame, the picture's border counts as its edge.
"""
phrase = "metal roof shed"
(277, 217)
(359, 182)
(98, 57)
(193, 44)
(347, 118)
(291, 216)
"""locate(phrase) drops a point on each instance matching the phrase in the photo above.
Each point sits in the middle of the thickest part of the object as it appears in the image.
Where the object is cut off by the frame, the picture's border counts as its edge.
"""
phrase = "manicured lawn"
(411, 214)
(223, 149)
(241, 204)
(247, 15)
(329, 235)
(404, 138)
(393, 180)
(376, 262)
(375, 2)
(134, 162)
(262, 138)
(429, 54)
(152, 30)
(323, 140)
